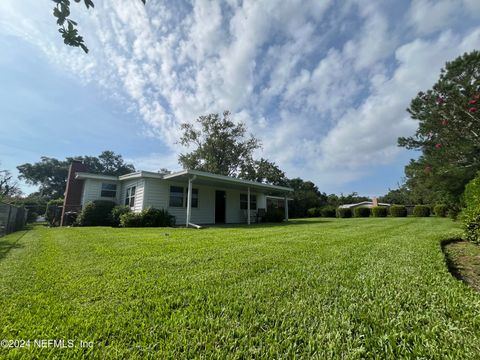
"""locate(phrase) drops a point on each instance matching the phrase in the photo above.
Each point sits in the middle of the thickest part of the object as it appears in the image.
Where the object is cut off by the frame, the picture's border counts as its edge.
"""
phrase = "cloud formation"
(323, 85)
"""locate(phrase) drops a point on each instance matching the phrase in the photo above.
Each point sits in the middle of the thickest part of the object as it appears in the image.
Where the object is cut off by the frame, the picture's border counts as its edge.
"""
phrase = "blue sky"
(323, 84)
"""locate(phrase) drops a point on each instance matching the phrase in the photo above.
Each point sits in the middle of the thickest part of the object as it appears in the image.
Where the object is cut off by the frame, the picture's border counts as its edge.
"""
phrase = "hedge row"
(471, 214)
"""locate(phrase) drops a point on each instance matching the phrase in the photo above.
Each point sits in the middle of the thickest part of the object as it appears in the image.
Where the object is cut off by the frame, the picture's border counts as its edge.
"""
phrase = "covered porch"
(249, 193)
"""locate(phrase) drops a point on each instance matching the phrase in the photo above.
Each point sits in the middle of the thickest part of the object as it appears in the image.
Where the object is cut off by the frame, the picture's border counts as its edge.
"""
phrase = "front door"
(220, 207)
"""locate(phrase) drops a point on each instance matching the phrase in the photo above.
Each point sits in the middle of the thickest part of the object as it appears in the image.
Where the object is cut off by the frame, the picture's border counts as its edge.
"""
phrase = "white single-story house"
(368, 204)
(193, 197)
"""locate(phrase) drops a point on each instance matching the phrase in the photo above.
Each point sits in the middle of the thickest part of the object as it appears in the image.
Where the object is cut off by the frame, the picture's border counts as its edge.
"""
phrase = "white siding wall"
(139, 193)
(157, 195)
(92, 190)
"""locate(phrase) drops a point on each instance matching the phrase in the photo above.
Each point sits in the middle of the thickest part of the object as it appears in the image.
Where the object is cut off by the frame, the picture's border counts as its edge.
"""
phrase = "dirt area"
(463, 259)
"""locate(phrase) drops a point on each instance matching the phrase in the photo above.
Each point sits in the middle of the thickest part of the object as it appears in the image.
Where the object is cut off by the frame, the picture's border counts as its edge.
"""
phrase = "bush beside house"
(149, 217)
(96, 213)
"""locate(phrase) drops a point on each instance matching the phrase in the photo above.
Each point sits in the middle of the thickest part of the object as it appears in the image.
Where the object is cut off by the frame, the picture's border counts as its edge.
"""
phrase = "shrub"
(328, 211)
(313, 212)
(53, 211)
(361, 211)
(440, 210)
(96, 213)
(421, 211)
(344, 213)
(398, 211)
(131, 219)
(471, 214)
(275, 215)
(152, 217)
(379, 211)
(118, 211)
(149, 217)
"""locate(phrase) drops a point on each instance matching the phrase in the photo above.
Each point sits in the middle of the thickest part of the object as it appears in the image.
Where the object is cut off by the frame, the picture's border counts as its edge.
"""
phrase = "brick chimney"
(374, 201)
(73, 191)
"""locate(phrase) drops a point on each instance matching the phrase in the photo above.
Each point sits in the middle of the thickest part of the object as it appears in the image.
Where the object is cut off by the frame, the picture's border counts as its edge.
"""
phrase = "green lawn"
(333, 288)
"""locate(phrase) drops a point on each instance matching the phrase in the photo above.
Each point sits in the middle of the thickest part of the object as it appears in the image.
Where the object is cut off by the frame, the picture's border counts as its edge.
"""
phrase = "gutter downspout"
(189, 201)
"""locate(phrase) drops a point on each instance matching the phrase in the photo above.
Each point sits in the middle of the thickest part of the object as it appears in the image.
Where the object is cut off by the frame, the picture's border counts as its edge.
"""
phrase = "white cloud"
(427, 16)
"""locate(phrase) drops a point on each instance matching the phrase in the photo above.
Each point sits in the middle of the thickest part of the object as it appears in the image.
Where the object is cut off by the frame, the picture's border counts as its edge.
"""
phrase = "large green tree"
(221, 146)
(67, 26)
(51, 174)
(448, 133)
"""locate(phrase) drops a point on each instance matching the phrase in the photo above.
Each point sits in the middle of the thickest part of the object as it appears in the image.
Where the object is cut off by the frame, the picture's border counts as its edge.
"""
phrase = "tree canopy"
(221, 146)
(67, 26)
(448, 133)
(51, 174)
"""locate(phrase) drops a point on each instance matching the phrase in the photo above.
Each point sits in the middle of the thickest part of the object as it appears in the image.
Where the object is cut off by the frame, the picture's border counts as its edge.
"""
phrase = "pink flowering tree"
(448, 133)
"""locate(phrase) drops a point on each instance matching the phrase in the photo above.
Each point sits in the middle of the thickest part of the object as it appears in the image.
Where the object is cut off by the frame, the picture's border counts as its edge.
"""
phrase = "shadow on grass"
(291, 222)
(451, 265)
(12, 243)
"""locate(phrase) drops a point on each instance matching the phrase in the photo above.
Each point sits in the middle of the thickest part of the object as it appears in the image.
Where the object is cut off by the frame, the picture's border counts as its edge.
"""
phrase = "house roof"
(85, 175)
(363, 203)
(201, 177)
(222, 180)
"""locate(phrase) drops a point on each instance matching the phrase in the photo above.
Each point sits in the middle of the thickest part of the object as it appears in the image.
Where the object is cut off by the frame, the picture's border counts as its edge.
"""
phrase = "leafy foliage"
(305, 196)
(398, 211)
(149, 217)
(421, 211)
(361, 211)
(117, 212)
(448, 133)
(344, 213)
(51, 174)
(328, 211)
(440, 210)
(221, 146)
(8, 186)
(96, 213)
(53, 211)
(68, 27)
(471, 214)
(379, 211)
(263, 171)
(313, 212)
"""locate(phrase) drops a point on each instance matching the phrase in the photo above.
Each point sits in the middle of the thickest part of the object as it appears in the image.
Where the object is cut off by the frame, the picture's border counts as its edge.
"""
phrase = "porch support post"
(286, 208)
(189, 202)
(248, 206)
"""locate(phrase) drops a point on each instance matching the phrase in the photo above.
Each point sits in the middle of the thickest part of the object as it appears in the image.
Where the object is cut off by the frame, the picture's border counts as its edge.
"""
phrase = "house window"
(130, 197)
(244, 202)
(176, 196)
(109, 190)
(194, 198)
